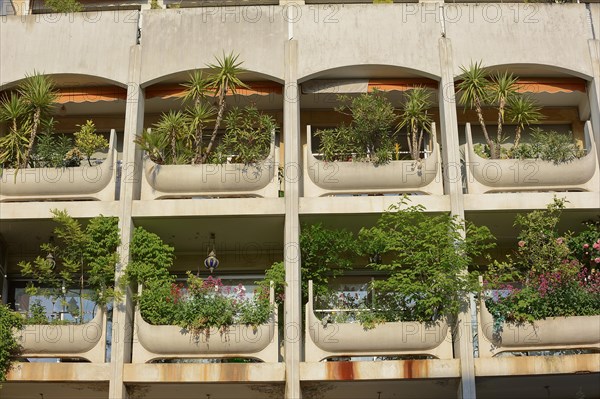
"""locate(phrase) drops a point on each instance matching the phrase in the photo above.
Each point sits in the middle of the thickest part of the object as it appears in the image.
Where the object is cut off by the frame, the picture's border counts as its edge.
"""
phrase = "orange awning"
(178, 91)
(91, 94)
(551, 85)
(400, 84)
(353, 86)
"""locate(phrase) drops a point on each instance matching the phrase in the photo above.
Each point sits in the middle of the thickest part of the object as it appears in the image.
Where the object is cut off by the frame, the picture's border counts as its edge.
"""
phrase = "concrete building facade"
(115, 64)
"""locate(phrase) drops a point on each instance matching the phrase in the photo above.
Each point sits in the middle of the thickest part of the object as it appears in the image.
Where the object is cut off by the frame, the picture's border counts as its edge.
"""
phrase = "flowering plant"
(556, 272)
(196, 305)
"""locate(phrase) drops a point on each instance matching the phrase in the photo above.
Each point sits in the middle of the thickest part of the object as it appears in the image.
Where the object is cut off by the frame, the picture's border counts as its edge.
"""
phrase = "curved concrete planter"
(164, 341)
(226, 180)
(86, 341)
(554, 333)
(387, 339)
(79, 183)
(329, 178)
(501, 175)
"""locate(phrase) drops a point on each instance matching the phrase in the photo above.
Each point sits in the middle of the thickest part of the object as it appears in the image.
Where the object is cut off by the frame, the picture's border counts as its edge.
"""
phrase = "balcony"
(237, 341)
(209, 180)
(96, 182)
(554, 333)
(86, 341)
(506, 175)
(332, 178)
(325, 340)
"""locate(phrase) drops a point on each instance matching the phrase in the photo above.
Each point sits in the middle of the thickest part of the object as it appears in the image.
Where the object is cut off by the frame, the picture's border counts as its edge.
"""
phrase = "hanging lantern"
(211, 262)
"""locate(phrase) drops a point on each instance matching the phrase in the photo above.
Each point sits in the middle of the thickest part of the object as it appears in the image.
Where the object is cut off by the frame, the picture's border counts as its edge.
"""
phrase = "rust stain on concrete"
(342, 371)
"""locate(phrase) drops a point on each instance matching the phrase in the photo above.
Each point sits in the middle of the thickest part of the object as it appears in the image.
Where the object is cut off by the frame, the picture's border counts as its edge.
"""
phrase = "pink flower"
(559, 240)
(586, 246)
(597, 260)
(596, 245)
(521, 243)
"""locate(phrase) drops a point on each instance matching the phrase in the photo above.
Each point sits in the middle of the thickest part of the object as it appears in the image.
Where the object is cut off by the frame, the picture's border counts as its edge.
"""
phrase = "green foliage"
(9, 346)
(79, 253)
(248, 135)
(39, 95)
(179, 136)
(549, 146)
(551, 273)
(478, 89)
(325, 254)
(88, 142)
(427, 258)
(415, 118)
(55, 151)
(369, 136)
(151, 258)
(64, 6)
(274, 275)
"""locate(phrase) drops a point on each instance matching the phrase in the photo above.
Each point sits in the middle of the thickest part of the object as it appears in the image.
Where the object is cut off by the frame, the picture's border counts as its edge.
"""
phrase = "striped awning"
(349, 86)
(262, 88)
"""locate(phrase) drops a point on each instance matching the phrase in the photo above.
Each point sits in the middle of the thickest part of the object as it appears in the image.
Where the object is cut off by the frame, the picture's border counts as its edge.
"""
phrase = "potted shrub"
(199, 319)
(546, 296)
(364, 155)
(424, 258)
(184, 159)
(79, 267)
(550, 161)
(38, 164)
(9, 345)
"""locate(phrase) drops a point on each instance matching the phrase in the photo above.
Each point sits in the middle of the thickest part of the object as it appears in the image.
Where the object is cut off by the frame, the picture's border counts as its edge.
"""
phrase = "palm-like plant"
(522, 111)
(39, 94)
(474, 89)
(224, 78)
(503, 88)
(173, 125)
(199, 115)
(415, 118)
(12, 109)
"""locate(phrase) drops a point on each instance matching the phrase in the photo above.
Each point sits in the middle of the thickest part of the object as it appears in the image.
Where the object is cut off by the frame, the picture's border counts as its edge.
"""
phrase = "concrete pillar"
(594, 90)
(463, 344)
(293, 295)
(122, 333)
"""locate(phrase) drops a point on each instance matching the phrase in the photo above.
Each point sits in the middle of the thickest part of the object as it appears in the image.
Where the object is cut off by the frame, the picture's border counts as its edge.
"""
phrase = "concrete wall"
(533, 33)
(179, 40)
(94, 44)
(332, 36)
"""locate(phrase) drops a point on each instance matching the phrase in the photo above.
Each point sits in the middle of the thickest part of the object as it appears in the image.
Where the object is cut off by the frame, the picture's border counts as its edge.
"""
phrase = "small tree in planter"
(30, 140)
(416, 120)
(478, 89)
(369, 136)
(426, 258)
(81, 258)
(178, 137)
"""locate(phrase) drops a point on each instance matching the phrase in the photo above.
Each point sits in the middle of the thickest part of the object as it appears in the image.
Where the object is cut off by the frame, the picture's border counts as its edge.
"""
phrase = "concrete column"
(463, 344)
(293, 295)
(122, 333)
(594, 90)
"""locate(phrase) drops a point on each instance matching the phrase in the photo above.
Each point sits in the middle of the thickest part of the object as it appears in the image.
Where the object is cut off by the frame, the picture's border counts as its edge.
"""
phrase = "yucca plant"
(39, 94)
(225, 78)
(200, 113)
(502, 89)
(522, 111)
(474, 88)
(415, 118)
